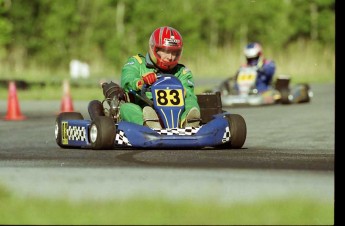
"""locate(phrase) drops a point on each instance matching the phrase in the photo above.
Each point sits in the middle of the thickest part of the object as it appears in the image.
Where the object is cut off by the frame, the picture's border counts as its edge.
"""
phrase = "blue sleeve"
(269, 68)
(265, 76)
(267, 71)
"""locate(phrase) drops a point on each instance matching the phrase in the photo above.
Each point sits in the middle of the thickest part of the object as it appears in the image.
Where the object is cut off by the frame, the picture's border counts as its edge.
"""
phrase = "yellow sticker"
(64, 135)
(246, 77)
(169, 97)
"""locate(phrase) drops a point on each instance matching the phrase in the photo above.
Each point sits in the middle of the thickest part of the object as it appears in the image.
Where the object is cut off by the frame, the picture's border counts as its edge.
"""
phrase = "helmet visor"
(253, 61)
(174, 52)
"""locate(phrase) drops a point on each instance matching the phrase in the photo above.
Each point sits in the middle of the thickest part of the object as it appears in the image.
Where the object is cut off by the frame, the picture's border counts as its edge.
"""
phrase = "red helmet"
(165, 38)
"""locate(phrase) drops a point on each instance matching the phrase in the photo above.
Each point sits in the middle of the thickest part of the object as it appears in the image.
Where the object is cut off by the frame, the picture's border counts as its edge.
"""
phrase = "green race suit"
(138, 65)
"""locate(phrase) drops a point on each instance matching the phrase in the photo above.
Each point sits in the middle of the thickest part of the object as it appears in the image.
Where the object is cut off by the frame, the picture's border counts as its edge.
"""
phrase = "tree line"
(51, 33)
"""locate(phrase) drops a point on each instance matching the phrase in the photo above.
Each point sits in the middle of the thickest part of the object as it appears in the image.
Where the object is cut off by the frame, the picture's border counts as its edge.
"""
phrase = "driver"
(164, 53)
(264, 67)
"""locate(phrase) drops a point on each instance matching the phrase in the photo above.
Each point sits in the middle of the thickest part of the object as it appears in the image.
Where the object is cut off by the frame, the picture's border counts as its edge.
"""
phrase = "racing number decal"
(169, 97)
(64, 136)
(247, 75)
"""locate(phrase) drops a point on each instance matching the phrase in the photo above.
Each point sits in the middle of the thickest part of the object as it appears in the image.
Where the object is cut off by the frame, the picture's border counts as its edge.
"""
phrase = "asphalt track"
(289, 151)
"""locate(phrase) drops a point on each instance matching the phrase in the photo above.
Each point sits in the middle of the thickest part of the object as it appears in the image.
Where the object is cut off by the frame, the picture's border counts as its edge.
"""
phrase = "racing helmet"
(165, 38)
(253, 52)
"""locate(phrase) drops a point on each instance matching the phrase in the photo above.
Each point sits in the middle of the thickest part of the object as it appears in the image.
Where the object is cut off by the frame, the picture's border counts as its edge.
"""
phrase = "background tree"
(105, 32)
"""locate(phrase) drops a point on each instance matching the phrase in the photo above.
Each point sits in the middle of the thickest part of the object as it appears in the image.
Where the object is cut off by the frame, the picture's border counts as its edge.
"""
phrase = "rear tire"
(102, 133)
(95, 109)
(238, 131)
(285, 96)
(62, 117)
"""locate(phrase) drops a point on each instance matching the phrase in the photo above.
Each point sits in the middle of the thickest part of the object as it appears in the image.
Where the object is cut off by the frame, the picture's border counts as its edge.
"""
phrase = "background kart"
(218, 129)
(246, 92)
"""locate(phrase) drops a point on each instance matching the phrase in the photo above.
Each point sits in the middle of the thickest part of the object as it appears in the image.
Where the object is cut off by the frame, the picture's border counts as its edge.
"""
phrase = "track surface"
(289, 151)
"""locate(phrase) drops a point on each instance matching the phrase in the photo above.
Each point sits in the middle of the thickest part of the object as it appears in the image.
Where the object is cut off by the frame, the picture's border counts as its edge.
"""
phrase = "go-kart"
(217, 129)
(241, 90)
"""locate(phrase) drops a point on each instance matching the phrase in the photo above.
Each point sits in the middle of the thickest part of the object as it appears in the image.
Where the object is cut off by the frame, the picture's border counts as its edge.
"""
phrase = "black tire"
(61, 117)
(102, 133)
(95, 109)
(238, 131)
(301, 93)
(285, 96)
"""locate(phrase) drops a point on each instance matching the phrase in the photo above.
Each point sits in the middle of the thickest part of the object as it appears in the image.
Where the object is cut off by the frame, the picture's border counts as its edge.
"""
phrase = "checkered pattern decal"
(227, 135)
(179, 131)
(76, 133)
(121, 139)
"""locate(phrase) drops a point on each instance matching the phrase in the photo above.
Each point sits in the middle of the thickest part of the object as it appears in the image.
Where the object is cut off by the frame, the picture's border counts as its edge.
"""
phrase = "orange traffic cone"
(13, 108)
(66, 102)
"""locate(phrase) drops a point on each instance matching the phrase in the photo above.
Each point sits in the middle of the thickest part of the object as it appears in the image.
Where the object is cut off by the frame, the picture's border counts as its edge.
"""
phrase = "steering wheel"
(147, 88)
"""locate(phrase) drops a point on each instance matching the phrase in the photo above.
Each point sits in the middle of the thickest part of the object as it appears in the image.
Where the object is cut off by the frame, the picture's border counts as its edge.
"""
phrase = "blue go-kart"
(217, 129)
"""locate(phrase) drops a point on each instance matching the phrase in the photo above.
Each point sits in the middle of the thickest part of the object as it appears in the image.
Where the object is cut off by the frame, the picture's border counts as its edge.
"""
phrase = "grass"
(56, 92)
(303, 62)
(135, 211)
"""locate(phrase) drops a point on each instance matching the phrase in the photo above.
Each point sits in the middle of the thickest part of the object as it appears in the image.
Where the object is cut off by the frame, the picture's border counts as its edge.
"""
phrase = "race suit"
(265, 70)
(132, 71)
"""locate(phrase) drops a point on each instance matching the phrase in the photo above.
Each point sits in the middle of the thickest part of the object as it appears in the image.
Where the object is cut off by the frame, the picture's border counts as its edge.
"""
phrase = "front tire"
(62, 117)
(285, 96)
(238, 131)
(102, 133)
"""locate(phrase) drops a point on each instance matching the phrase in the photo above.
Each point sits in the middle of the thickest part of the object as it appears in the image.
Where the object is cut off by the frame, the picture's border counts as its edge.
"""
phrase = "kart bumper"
(76, 133)
(214, 133)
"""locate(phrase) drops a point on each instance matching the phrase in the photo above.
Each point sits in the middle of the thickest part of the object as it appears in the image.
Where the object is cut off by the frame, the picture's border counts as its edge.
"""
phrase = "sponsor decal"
(64, 135)
(185, 70)
(171, 41)
(190, 83)
(129, 63)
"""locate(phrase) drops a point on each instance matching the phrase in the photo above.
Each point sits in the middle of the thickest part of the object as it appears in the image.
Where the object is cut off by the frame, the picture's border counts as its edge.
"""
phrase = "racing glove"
(110, 90)
(148, 78)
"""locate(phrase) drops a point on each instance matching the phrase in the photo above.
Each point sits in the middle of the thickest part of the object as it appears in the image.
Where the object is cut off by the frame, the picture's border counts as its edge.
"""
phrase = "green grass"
(303, 62)
(56, 93)
(140, 210)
